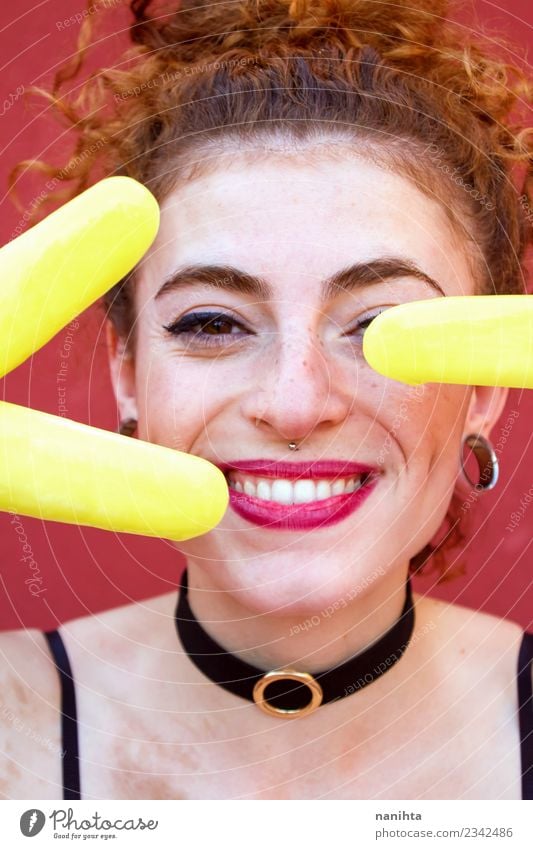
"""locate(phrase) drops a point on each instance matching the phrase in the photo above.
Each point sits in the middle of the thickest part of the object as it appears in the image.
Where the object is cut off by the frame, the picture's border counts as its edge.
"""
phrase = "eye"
(204, 329)
(363, 323)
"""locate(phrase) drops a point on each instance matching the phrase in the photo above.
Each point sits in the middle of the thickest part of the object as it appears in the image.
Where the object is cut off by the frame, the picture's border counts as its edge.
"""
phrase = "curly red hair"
(401, 80)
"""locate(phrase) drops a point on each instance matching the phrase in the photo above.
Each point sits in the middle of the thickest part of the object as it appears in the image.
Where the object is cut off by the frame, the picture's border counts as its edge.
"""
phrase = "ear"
(122, 369)
(485, 408)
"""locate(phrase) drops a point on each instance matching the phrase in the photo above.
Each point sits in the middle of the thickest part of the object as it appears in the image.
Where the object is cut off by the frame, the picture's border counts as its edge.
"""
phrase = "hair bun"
(199, 28)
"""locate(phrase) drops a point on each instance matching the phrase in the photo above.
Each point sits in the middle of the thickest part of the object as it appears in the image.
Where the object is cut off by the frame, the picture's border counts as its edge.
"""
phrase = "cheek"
(446, 411)
(177, 399)
(436, 439)
(424, 424)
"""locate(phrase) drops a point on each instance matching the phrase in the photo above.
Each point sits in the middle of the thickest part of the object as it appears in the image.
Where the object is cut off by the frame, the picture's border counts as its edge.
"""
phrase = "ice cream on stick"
(57, 469)
(60, 470)
(64, 263)
(484, 340)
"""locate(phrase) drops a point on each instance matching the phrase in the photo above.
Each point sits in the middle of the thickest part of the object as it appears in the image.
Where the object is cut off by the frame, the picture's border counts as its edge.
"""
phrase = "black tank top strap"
(525, 713)
(69, 720)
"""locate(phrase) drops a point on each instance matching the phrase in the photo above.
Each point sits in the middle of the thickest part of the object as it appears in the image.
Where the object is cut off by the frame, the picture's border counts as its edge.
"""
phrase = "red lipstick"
(314, 514)
(293, 471)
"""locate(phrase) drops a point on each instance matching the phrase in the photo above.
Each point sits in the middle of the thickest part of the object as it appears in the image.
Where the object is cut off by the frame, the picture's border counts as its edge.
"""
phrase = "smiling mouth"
(288, 492)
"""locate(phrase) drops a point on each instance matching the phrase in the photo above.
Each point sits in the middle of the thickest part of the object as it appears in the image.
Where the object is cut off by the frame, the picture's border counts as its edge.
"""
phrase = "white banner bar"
(276, 824)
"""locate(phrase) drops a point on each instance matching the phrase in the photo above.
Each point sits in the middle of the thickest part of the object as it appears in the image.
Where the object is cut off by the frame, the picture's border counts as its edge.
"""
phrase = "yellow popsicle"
(61, 470)
(56, 469)
(484, 340)
(63, 264)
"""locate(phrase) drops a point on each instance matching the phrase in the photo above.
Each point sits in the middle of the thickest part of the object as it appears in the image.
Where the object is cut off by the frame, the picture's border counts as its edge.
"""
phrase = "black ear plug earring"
(127, 427)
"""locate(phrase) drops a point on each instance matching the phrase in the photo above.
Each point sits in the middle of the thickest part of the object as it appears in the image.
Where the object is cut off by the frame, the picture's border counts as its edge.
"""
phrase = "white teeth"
(282, 492)
(337, 487)
(304, 491)
(292, 492)
(264, 490)
(249, 488)
(323, 489)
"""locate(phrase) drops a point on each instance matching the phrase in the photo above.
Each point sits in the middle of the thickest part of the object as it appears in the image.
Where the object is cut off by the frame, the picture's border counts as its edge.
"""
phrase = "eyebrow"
(355, 276)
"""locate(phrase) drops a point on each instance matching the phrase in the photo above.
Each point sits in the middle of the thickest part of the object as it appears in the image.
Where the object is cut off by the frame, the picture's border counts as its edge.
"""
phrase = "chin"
(286, 588)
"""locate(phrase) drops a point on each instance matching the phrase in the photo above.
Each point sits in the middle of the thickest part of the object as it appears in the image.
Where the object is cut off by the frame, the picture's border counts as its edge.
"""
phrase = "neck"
(311, 642)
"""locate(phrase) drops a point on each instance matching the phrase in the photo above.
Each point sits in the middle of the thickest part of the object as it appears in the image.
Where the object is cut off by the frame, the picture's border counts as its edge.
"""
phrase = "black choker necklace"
(291, 693)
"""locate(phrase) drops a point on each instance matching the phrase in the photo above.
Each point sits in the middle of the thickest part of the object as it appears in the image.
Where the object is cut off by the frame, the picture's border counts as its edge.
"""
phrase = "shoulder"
(138, 620)
(489, 641)
(29, 727)
(27, 670)
(105, 646)
(467, 621)
(98, 646)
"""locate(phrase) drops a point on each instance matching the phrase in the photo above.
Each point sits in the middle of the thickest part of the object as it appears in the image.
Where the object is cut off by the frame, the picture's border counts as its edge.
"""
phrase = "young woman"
(315, 163)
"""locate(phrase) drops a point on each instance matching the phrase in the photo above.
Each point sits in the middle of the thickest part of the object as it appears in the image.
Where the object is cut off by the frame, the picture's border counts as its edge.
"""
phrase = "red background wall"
(82, 570)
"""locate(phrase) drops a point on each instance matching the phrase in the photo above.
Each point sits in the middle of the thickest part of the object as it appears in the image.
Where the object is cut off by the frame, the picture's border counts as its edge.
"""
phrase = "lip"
(294, 471)
(314, 514)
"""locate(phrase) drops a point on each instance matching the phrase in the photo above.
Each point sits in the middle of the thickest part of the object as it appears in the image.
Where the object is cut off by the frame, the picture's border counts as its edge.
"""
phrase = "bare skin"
(422, 731)
(442, 722)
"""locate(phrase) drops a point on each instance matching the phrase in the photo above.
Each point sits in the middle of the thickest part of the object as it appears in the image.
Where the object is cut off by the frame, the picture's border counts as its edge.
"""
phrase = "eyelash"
(184, 326)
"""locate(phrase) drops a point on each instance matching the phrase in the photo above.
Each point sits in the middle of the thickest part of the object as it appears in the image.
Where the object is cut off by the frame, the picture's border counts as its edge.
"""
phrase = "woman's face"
(285, 364)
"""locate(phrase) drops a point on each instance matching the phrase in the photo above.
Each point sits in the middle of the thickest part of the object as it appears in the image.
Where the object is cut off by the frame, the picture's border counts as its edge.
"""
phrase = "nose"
(297, 391)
